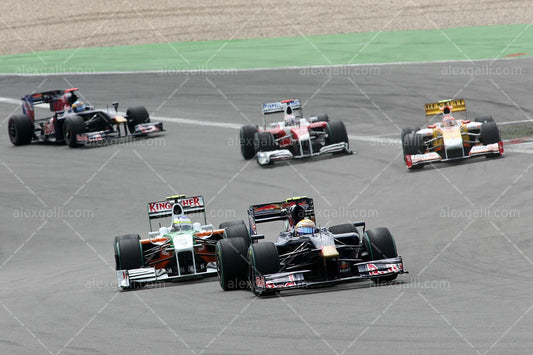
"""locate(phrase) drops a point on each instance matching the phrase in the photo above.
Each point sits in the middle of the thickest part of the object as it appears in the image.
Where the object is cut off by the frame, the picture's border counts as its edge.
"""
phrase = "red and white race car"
(451, 138)
(294, 137)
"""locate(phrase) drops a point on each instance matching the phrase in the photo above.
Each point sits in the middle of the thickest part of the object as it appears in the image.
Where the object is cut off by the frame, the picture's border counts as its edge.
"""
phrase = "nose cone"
(329, 251)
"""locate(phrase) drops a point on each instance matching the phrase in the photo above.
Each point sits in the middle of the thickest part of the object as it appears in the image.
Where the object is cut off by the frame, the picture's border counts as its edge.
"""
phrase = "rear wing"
(435, 108)
(278, 211)
(54, 97)
(274, 107)
(177, 204)
(280, 106)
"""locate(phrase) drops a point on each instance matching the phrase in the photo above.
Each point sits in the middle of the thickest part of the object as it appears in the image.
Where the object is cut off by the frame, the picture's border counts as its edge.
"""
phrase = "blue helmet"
(78, 106)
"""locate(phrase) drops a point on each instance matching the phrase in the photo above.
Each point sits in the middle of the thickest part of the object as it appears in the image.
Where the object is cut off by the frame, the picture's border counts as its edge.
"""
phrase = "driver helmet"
(78, 106)
(305, 226)
(448, 121)
(290, 118)
(181, 223)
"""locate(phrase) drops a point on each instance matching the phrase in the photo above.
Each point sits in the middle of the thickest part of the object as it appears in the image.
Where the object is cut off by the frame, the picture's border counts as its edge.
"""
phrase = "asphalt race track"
(463, 228)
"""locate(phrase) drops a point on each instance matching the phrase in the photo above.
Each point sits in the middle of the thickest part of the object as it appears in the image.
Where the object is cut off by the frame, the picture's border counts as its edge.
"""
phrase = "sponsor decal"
(374, 270)
(81, 138)
(154, 207)
(191, 202)
(260, 281)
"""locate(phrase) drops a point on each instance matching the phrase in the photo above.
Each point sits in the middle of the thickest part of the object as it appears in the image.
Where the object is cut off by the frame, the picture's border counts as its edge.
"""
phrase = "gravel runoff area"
(27, 25)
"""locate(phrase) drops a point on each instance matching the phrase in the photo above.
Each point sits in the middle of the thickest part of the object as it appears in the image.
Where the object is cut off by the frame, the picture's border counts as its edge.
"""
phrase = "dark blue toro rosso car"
(74, 123)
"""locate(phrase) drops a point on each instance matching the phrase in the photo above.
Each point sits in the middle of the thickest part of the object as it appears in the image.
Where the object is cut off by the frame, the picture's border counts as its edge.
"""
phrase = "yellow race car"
(450, 138)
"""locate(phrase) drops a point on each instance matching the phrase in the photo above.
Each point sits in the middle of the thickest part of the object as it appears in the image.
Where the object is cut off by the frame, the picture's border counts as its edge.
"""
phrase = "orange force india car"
(185, 250)
(451, 138)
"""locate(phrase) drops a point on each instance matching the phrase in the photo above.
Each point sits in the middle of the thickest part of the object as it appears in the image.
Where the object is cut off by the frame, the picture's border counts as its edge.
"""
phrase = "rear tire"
(128, 252)
(72, 126)
(247, 134)
(136, 115)
(379, 243)
(344, 229)
(230, 223)
(322, 118)
(238, 231)
(263, 259)
(20, 129)
(484, 119)
(337, 133)
(264, 142)
(408, 130)
(232, 265)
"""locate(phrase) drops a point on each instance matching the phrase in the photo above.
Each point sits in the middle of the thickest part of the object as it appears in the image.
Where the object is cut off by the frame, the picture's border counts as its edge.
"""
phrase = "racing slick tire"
(484, 119)
(263, 259)
(379, 243)
(73, 126)
(413, 143)
(230, 223)
(20, 129)
(408, 130)
(489, 134)
(136, 115)
(238, 231)
(344, 229)
(337, 133)
(264, 142)
(247, 135)
(128, 252)
(322, 118)
(232, 265)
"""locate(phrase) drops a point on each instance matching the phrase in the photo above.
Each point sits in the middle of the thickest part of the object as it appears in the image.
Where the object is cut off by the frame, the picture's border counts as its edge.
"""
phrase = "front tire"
(20, 129)
(232, 265)
(247, 134)
(128, 252)
(263, 259)
(337, 133)
(379, 244)
(264, 142)
(73, 126)
(136, 115)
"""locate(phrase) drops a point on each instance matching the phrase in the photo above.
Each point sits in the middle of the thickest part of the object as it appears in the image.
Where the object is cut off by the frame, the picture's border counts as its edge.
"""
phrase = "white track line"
(296, 67)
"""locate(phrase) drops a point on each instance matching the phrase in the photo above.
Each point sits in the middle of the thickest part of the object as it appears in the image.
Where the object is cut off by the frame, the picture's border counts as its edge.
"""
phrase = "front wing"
(142, 129)
(127, 278)
(265, 158)
(296, 279)
(432, 157)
